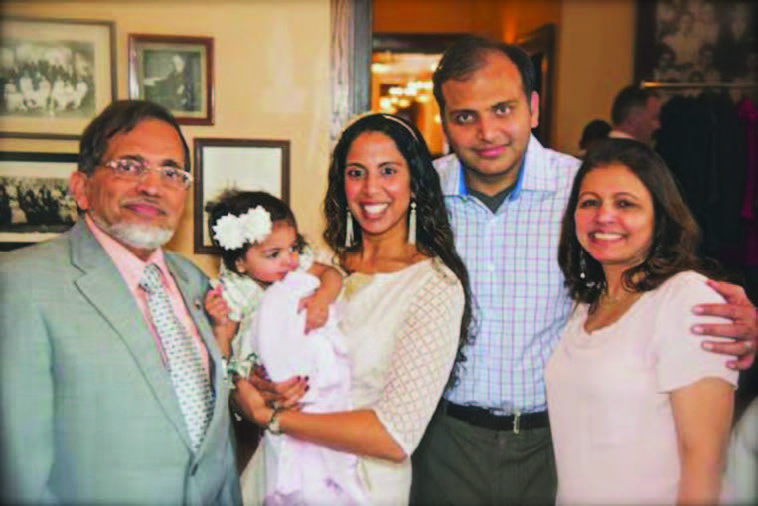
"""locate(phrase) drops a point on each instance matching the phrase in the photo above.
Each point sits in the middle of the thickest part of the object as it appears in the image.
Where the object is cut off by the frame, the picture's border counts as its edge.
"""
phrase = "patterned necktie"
(188, 374)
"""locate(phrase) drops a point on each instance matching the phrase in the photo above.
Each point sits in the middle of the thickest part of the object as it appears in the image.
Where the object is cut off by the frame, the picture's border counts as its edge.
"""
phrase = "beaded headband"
(386, 116)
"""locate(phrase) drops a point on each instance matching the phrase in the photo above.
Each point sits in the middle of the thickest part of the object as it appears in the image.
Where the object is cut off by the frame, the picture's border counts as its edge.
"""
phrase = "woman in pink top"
(639, 412)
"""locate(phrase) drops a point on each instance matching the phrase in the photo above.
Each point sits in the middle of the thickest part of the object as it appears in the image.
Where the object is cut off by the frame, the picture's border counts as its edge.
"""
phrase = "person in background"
(489, 442)
(639, 412)
(594, 131)
(175, 90)
(635, 114)
(111, 385)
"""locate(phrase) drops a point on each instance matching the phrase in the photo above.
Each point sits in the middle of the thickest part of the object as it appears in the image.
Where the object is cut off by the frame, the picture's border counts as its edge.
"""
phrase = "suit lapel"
(104, 288)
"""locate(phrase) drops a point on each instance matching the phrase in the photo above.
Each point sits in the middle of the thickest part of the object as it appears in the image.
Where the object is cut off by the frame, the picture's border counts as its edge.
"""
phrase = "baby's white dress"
(298, 472)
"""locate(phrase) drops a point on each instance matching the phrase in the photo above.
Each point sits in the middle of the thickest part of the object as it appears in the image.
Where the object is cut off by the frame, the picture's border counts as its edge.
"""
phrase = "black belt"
(484, 418)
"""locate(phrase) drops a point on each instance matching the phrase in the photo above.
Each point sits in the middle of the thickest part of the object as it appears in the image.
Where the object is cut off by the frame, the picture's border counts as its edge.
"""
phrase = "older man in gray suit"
(111, 385)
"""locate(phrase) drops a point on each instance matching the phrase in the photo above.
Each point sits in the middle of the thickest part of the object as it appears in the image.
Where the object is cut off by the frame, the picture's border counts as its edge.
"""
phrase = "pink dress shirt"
(131, 268)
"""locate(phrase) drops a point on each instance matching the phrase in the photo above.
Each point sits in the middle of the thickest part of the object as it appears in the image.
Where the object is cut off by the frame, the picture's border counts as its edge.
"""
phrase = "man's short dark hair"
(119, 117)
(469, 54)
(627, 100)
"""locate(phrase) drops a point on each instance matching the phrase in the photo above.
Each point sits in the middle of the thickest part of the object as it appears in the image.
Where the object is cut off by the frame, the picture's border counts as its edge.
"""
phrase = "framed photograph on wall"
(57, 74)
(34, 201)
(174, 71)
(244, 164)
(696, 41)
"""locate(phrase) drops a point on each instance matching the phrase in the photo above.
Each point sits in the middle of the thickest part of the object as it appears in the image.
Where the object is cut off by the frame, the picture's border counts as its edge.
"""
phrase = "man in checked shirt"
(489, 442)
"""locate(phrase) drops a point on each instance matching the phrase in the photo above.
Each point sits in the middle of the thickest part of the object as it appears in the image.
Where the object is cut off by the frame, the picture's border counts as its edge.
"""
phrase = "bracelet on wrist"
(273, 423)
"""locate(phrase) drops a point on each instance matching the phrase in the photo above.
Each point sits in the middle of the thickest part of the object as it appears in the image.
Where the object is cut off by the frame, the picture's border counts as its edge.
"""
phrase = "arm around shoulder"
(701, 388)
(741, 324)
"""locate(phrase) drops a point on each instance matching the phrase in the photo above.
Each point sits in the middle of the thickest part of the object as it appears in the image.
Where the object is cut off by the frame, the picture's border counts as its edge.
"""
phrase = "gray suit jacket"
(89, 413)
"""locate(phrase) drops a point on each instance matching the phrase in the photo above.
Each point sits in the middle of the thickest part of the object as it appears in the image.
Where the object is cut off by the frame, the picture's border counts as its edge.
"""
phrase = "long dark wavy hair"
(434, 235)
(675, 233)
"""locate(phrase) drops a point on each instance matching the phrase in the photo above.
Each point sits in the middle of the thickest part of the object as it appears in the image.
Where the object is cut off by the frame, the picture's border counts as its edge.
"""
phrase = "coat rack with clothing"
(706, 136)
(709, 140)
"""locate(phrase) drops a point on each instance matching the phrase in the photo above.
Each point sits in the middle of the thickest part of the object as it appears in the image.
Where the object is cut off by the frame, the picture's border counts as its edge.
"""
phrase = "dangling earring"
(412, 224)
(582, 267)
(583, 272)
(349, 231)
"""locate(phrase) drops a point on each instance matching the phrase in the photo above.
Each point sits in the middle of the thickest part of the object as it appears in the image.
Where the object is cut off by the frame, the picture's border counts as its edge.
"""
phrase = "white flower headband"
(232, 232)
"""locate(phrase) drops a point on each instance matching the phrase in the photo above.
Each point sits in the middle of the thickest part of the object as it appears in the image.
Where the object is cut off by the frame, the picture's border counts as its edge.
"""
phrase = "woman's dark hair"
(121, 116)
(434, 235)
(675, 233)
(236, 203)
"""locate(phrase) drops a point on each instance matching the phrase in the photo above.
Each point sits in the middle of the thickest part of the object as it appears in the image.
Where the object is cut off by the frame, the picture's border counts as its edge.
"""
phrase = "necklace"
(606, 300)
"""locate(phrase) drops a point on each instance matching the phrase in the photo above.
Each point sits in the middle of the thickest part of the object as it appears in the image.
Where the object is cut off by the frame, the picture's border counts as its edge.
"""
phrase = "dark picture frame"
(175, 71)
(57, 74)
(34, 201)
(705, 42)
(540, 45)
(245, 164)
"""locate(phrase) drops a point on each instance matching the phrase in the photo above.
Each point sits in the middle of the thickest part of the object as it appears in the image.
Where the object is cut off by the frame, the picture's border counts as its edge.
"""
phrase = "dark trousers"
(460, 464)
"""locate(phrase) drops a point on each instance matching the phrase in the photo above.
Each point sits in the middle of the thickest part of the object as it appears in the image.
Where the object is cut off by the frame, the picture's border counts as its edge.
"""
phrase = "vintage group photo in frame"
(697, 41)
(243, 164)
(57, 74)
(174, 71)
(34, 200)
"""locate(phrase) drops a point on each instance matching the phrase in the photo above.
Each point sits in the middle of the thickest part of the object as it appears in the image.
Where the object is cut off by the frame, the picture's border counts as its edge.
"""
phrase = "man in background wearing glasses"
(111, 386)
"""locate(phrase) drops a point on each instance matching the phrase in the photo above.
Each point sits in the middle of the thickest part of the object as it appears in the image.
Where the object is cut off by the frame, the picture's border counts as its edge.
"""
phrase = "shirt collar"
(535, 173)
(618, 134)
(128, 264)
(514, 193)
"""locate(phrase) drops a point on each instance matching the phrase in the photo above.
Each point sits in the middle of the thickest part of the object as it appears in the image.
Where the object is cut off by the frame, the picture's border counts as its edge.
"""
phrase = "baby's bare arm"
(317, 304)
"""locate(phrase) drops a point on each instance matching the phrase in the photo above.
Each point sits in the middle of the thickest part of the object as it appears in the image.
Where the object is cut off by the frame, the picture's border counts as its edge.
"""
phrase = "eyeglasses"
(135, 170)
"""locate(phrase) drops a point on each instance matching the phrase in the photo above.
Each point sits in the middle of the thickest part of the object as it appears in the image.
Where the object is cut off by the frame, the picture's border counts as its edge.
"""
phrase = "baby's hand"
(317, 311)
(216, 307)
(218, 313)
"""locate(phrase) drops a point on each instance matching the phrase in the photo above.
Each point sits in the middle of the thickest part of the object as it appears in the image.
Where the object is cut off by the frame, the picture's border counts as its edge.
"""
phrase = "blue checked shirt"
(520, 301)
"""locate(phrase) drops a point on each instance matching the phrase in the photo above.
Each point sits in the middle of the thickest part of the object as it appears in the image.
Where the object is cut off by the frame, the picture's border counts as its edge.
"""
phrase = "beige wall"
(271, 81)
(595, 60)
